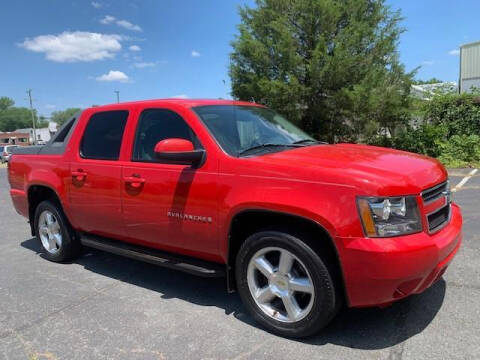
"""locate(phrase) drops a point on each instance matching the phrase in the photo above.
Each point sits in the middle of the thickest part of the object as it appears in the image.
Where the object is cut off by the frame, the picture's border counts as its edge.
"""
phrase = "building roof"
(52, 127)
(426, 91)
(470, 44)
(14, 134)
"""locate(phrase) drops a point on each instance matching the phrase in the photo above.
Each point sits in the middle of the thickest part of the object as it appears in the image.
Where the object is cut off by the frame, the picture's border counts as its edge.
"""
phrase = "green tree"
(5, 103)
(61, 116)
(331, 66)
(42, 122)
(430, 81)
(15, 118)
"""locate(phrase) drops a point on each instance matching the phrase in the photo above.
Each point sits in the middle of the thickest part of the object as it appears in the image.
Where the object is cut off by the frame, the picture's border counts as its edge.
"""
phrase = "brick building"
(15, 138)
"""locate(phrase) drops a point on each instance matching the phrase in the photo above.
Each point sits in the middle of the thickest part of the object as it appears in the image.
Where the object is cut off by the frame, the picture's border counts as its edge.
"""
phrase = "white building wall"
(43, 135)
(469, 66)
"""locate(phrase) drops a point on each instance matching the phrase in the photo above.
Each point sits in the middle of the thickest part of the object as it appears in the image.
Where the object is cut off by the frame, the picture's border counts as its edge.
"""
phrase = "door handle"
(79, 175)
(134, 181)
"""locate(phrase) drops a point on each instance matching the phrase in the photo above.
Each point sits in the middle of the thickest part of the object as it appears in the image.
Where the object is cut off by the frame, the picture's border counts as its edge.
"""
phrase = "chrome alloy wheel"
(280, 284)
(50, 232)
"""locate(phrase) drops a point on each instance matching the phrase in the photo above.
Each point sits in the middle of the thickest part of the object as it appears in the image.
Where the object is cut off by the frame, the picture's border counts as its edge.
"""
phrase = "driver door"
(172, 207)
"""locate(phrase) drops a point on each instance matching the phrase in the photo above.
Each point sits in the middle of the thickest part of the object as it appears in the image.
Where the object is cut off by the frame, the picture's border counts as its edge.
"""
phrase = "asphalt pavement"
(103, 306)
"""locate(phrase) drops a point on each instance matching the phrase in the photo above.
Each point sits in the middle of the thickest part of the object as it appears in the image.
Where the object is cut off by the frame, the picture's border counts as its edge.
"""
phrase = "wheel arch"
(249, 221)
(36, 193)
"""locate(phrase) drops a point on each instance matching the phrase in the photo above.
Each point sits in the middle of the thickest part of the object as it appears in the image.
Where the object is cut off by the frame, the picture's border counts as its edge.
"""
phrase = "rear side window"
(103, 135)
(60, 138)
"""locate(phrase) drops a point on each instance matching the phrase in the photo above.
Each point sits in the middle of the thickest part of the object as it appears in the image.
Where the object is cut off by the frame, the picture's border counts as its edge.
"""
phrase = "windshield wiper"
(267, 145)
(304, 141)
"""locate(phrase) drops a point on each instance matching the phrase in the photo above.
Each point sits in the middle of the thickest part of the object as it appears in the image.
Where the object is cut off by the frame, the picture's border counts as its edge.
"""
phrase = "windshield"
(241, 128)
(10, 149)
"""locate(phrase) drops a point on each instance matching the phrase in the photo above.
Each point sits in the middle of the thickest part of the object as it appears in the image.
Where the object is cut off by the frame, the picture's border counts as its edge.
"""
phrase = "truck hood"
(373, 170)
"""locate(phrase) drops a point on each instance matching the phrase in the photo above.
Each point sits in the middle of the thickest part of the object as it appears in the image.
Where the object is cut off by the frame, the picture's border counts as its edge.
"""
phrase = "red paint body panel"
(374, 269)
(150, 203)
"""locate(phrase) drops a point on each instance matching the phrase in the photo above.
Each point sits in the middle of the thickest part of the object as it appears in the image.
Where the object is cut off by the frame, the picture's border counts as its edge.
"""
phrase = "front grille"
(434, 193)
(437, 218)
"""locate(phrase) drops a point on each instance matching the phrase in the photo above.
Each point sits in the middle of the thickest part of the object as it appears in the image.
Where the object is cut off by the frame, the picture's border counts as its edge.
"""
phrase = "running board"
(154, 256)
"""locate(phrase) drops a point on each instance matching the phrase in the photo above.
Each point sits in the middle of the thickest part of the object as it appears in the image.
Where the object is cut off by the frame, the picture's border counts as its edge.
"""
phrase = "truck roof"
(189, 103)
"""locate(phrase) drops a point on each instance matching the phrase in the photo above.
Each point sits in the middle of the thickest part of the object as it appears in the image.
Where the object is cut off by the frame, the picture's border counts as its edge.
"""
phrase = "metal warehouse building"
(469, 66)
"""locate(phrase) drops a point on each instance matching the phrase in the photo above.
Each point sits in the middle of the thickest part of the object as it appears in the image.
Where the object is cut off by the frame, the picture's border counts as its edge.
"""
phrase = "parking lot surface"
(103, 306)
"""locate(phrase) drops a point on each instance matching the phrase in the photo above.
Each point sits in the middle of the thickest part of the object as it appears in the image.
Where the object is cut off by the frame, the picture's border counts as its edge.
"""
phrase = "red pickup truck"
(229, 188)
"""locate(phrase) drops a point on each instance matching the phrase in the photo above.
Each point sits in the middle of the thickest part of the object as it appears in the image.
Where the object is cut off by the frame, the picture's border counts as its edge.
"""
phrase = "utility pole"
(29, 92)
(118, 95)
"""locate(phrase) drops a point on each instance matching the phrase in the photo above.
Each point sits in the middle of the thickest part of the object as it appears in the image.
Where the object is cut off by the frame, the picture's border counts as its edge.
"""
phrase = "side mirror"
(179, 151)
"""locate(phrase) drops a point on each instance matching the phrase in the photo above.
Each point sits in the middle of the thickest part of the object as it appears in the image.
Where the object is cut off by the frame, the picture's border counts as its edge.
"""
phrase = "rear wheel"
(55, 233)
(284, 284)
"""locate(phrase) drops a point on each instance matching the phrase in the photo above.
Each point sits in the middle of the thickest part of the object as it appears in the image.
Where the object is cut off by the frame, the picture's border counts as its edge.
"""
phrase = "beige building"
(469, 66)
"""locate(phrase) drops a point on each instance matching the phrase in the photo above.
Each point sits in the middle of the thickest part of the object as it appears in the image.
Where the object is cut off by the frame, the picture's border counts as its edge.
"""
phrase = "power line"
(29, 92)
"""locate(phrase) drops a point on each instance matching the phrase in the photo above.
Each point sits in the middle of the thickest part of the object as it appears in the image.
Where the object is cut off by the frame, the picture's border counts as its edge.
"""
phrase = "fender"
(52, 180)
(330, 207)
(311, 220)
(299, 213)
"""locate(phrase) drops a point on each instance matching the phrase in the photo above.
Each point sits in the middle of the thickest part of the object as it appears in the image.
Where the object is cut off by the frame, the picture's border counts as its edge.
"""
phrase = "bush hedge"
(449, 130)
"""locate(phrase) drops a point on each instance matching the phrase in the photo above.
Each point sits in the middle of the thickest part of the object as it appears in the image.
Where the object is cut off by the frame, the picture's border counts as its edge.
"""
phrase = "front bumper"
(378, 271)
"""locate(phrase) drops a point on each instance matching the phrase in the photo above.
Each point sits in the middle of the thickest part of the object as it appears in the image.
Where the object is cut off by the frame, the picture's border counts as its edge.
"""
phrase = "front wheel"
(284, 284)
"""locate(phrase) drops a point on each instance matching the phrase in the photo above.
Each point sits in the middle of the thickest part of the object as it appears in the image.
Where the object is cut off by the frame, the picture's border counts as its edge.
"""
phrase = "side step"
(154, 256)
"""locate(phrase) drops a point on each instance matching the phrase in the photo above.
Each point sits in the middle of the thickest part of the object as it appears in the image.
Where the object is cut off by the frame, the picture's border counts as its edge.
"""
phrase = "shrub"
(423, 140)
(459, 114)
(460, 151)
(450, 130)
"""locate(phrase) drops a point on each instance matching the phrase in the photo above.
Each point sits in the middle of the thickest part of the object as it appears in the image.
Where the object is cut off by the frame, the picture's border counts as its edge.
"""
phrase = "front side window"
(156, 125)
(102, 138)
(239, 129)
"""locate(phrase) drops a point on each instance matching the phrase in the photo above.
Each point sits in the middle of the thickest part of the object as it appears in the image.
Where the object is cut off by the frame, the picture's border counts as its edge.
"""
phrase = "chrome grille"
(437, 218)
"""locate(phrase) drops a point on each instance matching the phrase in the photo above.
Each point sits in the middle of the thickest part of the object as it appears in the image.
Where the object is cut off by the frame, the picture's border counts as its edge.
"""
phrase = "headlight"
(384, 217)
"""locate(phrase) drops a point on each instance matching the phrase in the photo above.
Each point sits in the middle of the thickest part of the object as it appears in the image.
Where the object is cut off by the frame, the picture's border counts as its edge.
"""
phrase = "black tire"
(326, 301)
(70, 247)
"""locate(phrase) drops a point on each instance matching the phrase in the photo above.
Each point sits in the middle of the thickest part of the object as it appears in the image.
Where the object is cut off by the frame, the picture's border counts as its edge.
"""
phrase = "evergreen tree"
(331, 66)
